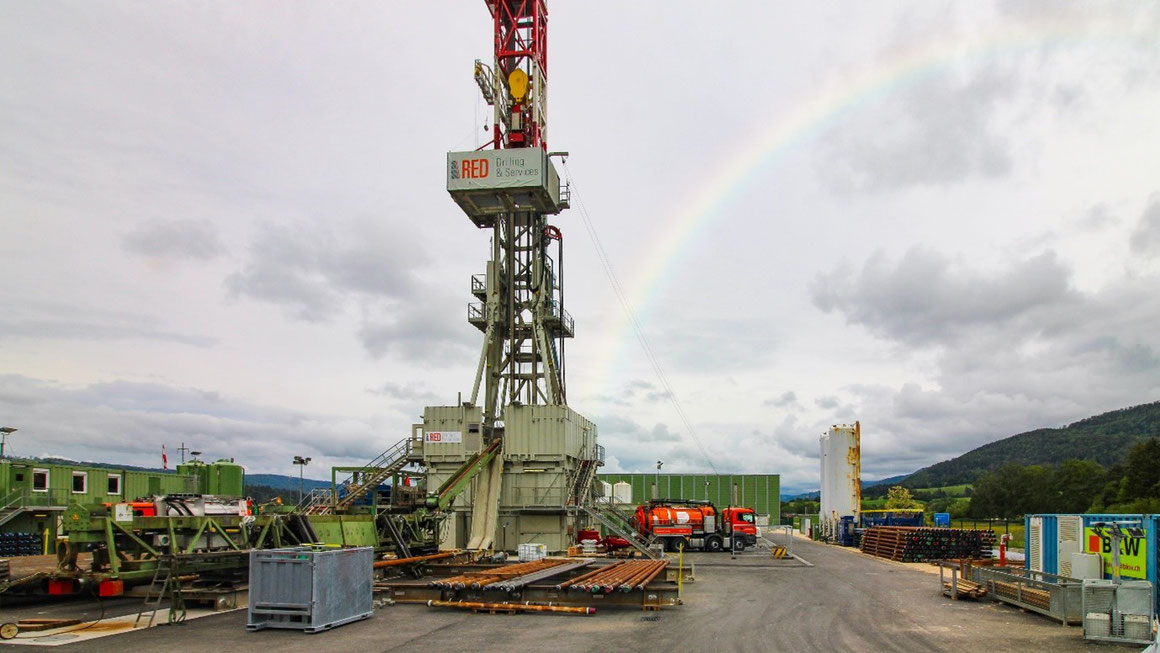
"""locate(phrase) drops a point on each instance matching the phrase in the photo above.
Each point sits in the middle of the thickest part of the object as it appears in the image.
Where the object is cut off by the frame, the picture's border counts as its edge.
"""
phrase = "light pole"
(302, 463)
(658, 490)
(4, 431)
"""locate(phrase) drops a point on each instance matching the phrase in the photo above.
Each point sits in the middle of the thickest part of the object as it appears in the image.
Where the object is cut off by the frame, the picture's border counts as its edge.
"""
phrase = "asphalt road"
(845, 602)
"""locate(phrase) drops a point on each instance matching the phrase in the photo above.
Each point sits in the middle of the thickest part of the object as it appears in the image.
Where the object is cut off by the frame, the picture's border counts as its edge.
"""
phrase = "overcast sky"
(225, 224)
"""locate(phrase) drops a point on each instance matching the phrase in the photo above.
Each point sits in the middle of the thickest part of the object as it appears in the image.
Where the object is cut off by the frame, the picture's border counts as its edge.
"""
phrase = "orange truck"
(697, 525)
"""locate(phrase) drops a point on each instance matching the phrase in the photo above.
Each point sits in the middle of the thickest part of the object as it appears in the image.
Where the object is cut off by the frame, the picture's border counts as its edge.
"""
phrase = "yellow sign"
(1133, 553)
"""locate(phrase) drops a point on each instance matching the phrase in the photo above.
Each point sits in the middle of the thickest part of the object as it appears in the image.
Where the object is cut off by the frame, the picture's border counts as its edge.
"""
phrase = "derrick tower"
(511, 189)
(535, 457)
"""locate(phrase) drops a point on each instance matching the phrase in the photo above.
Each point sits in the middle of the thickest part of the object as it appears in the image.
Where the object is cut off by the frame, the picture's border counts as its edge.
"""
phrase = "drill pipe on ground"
(483, 578)
(583, 577)
(626, 584)
(515, 607)
(513, 584)
(406, 561)
(608, 578)
(649, 578)
(629, 583)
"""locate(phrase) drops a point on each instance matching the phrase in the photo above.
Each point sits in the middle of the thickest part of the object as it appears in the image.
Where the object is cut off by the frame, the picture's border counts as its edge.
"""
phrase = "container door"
(1035, 550)
(1069, 532)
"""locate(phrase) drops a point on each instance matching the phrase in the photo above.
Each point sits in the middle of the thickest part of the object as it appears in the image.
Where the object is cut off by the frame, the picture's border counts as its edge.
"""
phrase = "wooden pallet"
(966, 589)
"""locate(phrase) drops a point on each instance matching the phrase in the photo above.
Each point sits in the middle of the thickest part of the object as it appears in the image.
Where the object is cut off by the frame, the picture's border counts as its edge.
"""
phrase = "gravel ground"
(846, 601)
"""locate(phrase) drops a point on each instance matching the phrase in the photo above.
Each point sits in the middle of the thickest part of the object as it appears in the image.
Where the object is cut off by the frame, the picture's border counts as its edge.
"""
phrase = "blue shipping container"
(1045, 556)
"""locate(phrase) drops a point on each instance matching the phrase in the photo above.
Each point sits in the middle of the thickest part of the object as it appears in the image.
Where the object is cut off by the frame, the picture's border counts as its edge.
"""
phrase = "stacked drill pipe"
(510, 607)
(484, 578)
(513, 584)
(919, 543)
(624, 576)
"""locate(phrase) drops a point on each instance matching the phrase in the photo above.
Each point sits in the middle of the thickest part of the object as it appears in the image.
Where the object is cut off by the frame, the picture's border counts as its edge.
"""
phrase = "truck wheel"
(738, 544)
(713, 543)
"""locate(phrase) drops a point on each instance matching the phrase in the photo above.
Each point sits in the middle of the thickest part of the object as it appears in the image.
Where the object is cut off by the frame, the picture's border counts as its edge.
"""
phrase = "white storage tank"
(841, 475)
(605, 492)
(622, 493)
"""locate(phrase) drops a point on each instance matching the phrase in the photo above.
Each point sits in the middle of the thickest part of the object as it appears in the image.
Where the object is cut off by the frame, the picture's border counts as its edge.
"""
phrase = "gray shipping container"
(310, 588)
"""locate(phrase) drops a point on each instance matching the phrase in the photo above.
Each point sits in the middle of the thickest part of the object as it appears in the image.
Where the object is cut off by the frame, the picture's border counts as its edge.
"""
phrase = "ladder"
(166, 578)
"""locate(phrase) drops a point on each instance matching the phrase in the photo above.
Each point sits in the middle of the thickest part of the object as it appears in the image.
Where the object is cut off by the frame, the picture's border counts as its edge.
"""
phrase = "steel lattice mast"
(511, 189)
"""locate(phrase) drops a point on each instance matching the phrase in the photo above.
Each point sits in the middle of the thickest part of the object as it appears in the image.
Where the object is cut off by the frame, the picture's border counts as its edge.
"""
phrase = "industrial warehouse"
(501, 515)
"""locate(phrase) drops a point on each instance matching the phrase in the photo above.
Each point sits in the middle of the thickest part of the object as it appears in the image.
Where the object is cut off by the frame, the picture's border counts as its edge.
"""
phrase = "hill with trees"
(1103, 439)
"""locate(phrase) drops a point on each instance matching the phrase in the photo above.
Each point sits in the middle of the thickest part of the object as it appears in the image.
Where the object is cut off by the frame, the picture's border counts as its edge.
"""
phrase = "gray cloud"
(39, 319)
(828, 402)
(1145, 239)
(940, 130)
(925, 299)
(432, 330)
(1038, 353)
(313, 269)
(787, 398)
(128, 422)
(410, 391)
(316, 272)
(174, 239)
(1098, 217)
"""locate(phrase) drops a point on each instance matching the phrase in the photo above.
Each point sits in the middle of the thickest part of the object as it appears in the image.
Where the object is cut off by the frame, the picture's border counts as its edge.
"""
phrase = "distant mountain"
(814, 495)
(883, 481)
(1104, 438)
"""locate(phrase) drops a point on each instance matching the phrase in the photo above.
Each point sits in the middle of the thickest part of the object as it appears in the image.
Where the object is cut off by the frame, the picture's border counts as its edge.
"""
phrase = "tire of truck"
(674, 544)
(738, 544)
(713, 543)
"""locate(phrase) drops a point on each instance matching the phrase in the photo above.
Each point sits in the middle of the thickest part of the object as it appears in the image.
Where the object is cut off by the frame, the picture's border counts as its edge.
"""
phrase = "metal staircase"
(12, 505)
(360, 482)
(619, 523)
(580, 484)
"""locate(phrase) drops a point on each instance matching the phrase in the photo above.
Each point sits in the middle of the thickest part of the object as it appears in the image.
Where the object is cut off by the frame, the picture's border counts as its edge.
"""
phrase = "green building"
(34, 495)
(762, 492)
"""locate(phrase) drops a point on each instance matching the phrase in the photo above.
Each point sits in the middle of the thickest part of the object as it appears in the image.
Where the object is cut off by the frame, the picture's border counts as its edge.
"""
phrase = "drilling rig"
(531, 458)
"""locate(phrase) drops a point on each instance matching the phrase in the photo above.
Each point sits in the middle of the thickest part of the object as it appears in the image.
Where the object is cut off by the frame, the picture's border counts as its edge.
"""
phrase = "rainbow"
(812, 115)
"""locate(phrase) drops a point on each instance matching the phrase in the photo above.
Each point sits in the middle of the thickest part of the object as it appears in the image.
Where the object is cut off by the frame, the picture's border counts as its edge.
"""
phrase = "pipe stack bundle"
(624, 576)
(484, 578)
(920, 543)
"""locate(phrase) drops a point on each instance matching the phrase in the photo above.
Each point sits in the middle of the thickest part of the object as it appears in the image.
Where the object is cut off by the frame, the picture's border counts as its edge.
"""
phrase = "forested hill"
(1104, 438)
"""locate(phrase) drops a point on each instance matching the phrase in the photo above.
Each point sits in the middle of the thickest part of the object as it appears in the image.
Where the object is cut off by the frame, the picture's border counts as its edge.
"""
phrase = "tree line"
(1075, 486)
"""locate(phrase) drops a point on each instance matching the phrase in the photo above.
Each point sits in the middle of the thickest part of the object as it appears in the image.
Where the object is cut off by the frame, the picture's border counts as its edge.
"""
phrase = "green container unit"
(36, 494)
(223, 477)
(762, 492)
(54, 485)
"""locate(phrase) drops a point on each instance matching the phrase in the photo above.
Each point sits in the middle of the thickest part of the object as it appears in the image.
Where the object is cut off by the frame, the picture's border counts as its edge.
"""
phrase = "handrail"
(630, 535)
(13, 497)
(372, 474)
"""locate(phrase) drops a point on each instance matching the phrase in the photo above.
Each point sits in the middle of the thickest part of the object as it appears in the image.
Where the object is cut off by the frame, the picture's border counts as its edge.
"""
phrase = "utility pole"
(4, 431)
(302, 463)
(182, 449)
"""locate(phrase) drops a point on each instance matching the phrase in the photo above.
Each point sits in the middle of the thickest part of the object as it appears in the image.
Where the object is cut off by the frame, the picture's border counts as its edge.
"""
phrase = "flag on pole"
(164, 458)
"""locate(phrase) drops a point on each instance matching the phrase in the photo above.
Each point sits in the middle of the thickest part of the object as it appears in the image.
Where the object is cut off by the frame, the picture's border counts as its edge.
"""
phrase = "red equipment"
(697, 525)
(521, 44)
